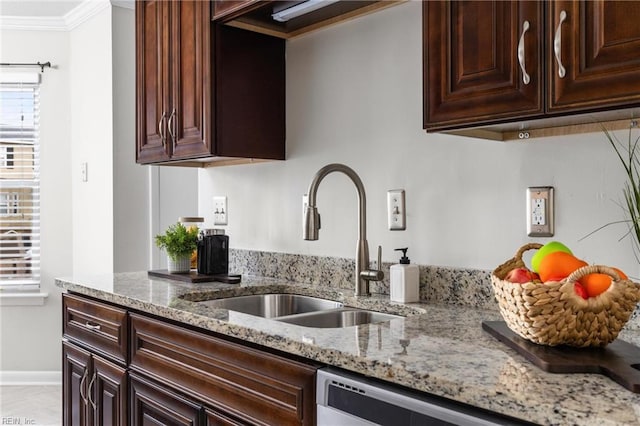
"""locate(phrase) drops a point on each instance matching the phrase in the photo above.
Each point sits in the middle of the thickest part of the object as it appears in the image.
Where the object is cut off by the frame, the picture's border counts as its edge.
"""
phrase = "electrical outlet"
(220, 212)
(540, 211)
(396, 215)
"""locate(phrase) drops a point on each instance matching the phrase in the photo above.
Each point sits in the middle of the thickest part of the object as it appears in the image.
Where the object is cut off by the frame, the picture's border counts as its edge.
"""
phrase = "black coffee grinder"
(213, 256)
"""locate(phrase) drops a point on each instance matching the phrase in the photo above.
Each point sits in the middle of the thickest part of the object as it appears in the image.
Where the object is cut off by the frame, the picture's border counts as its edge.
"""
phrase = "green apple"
(550, 247)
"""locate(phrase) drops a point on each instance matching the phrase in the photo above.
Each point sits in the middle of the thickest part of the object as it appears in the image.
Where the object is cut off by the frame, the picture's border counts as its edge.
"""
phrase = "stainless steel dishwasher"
(346, 399)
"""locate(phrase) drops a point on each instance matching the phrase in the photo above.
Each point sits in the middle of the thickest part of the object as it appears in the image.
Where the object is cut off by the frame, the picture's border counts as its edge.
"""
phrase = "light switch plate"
(220, 213)
(540, 211)
(396, 215)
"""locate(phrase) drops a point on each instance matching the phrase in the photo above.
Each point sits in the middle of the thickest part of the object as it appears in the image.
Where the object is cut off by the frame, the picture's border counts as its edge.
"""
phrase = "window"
(8, 203)
(6, 156)
(19, 183)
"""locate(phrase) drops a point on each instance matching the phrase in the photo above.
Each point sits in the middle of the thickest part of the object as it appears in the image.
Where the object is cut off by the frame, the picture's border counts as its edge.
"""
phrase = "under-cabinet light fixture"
(301, 9)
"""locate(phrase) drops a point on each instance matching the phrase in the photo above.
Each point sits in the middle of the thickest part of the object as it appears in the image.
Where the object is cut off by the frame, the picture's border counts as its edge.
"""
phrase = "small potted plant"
(179, 242)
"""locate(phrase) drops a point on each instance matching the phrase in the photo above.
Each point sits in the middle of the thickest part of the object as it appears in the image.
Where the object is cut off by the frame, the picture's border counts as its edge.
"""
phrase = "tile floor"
(31, 405)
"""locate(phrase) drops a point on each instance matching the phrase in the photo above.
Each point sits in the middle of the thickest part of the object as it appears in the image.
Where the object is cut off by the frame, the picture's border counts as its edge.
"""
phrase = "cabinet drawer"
(249, 384)
(153, 405)
(100, 327)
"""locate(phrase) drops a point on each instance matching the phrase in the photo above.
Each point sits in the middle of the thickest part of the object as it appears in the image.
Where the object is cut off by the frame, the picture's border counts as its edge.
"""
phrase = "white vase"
(180, 266)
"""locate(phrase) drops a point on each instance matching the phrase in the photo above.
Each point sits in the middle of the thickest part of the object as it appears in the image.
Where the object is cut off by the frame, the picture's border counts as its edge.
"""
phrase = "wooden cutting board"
(619, 360)
(195, 277)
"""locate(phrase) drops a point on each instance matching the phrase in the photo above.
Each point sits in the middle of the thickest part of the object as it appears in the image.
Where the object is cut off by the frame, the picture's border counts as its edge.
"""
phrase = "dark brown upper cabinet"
(598, 45)
(498, 67)
(206, 94)
(257, 15)
(472, 69)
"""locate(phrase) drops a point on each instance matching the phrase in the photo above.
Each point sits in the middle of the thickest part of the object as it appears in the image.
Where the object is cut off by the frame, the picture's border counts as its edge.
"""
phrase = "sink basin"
(272, 305)
(338, 318)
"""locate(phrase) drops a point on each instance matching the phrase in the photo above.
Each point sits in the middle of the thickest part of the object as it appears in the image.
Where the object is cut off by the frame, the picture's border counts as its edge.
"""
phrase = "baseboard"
(22, 378)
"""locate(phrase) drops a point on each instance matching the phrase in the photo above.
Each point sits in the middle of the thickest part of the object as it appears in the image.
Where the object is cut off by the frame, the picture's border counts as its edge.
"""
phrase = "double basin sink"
(301, 310)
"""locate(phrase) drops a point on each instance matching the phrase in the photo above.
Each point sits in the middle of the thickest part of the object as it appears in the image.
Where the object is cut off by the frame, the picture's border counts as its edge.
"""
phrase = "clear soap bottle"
(404, 280)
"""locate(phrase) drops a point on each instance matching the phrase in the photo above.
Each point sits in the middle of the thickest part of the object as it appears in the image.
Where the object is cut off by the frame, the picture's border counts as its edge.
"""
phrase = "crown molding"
(81, 13)
(84, 11)
(33, 23)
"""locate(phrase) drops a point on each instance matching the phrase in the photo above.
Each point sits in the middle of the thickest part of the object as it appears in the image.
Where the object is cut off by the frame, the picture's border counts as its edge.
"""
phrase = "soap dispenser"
(405, 280)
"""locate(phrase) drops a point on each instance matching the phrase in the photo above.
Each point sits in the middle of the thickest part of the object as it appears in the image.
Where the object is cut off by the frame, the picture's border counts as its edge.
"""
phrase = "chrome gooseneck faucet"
(312, 225)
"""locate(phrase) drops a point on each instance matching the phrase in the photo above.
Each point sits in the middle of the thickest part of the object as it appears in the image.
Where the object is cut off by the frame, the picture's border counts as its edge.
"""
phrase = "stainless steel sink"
(272, 305)
(338, 318)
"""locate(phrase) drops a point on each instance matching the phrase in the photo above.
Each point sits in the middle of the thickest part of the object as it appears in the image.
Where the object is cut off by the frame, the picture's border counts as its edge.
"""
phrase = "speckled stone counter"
(438, 349)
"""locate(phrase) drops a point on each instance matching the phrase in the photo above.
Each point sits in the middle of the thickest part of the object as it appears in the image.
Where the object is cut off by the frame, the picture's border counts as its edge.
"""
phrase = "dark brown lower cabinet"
(214, 418)
(243, 385)
(94, 389)
(152, 404)
(166, 373)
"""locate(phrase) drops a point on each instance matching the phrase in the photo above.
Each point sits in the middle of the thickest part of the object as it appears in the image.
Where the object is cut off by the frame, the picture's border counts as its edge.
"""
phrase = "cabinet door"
(189, 119)
(599, 49)
(472, 71)
(76, 366)
(153, 405)
(152, 81)
(216, 418)
(108, 393)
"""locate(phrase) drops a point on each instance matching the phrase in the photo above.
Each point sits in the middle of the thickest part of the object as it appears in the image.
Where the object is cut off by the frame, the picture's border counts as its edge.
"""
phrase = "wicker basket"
(553, 314)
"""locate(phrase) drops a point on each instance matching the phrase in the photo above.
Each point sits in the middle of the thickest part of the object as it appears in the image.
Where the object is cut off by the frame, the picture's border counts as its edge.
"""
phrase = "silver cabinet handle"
(170, 126)
(557, 45)
(163, 137)
(525, 77)
(94, 327)
(83, 393)
(93, 379)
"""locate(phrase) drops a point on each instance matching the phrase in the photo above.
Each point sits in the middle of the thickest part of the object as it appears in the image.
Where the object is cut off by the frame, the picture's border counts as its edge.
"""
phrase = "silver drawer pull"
(90, 392)
(163, 138)
(557, 45)
(525, 77)
(170, 125)
(83, 392)
(95, 327)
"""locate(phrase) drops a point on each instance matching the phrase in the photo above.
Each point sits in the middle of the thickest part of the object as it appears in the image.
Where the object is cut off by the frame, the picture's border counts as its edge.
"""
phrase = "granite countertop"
(437, 349)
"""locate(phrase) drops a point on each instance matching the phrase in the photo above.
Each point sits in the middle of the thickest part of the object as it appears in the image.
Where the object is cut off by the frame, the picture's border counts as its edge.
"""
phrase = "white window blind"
(19, 183)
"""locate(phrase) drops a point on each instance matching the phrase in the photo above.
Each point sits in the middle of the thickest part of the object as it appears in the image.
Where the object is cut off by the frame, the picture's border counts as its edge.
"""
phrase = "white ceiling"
(50, 8)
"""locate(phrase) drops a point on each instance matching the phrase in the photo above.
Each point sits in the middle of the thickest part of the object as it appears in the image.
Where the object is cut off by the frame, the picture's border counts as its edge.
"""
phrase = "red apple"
(580, 290)
(520, 276)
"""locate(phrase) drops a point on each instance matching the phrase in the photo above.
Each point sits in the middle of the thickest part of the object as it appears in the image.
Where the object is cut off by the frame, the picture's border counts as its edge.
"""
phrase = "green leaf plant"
(178, 241)
(628, 153)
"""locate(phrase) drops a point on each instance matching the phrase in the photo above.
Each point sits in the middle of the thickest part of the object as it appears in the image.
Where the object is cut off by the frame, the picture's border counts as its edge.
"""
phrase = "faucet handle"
(374, 274)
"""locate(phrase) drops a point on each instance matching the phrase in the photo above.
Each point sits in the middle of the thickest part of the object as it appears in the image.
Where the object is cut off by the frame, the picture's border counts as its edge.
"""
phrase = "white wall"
(130, 180)
(173, 193)
(354, 96)
(43, 323)
(92, 143)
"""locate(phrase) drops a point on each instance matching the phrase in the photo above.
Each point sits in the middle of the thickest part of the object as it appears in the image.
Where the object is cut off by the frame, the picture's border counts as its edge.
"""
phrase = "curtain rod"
(37, 64)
